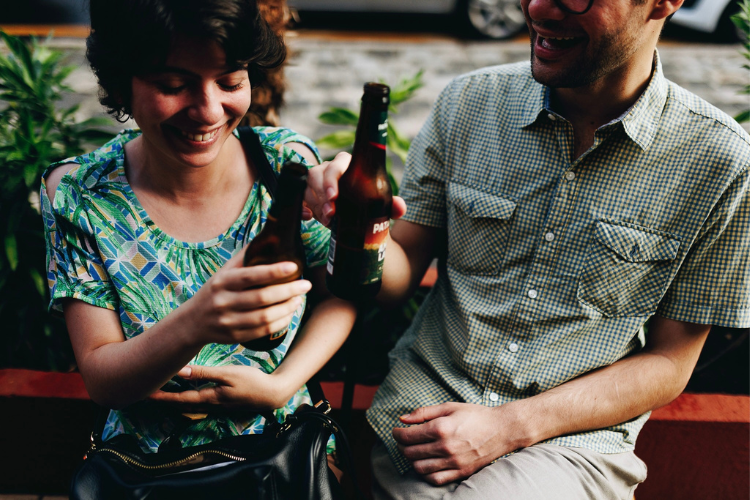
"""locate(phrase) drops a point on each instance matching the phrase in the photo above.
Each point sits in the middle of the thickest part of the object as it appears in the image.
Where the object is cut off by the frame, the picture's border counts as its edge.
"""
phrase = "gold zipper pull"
(326, 406)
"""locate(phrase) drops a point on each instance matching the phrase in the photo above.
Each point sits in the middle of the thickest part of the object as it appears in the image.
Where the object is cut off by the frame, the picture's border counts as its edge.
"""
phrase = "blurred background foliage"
(34, 132)
(396, 143)
(742, 21)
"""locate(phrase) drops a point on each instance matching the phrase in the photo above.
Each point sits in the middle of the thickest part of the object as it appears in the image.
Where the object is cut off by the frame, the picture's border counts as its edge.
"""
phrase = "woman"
(145, 235)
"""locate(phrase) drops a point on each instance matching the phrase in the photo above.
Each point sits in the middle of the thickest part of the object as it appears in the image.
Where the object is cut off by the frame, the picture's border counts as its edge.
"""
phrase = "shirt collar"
(640, 121)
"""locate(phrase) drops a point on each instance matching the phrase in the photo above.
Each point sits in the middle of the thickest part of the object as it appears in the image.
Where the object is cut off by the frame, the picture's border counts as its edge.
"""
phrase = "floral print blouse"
(103, 249)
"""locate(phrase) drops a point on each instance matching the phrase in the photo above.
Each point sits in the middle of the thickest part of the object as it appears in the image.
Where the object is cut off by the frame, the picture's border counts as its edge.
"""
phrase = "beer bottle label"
(376, 237)
(331, 249)
(278, 334)
(379, 130)
(363, 265)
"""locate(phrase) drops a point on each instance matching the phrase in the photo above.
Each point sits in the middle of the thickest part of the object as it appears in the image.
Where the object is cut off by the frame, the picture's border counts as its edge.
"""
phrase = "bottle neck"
(372, 132)
(286, 209)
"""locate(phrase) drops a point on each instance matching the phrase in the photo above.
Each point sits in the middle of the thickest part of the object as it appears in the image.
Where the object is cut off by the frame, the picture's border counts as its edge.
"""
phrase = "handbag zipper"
(175, 463)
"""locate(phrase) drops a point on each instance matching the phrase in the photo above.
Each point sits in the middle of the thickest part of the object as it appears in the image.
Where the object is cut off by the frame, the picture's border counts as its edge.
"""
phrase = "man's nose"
(207, 106)
(542, 10)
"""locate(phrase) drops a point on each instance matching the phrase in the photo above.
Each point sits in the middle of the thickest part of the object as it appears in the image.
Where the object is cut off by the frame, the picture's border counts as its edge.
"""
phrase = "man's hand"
(323, 189)
(452, 441)
(233, 386)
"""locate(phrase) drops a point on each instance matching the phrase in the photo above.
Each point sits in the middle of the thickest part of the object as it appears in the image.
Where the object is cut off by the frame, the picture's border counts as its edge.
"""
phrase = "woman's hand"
(323, 189)
(234, 306)
(233, 386)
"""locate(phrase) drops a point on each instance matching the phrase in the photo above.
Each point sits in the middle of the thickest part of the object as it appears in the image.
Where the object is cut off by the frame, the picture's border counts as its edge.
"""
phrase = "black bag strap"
(254, 150)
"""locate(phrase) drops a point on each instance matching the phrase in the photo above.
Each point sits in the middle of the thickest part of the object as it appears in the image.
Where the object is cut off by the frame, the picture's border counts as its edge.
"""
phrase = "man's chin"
(556, 79)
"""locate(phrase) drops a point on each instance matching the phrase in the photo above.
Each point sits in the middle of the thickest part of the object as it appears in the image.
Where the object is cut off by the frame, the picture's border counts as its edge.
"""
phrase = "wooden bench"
(696, 448)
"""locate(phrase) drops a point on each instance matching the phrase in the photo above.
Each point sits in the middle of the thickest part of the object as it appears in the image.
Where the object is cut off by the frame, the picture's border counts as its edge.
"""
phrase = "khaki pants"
(540, 472)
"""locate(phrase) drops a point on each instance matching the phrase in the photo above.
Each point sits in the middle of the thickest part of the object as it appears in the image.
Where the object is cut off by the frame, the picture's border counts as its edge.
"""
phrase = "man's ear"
(664, 8)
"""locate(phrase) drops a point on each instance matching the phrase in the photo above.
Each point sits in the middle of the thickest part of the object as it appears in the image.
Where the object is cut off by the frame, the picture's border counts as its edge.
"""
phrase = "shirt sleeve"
(424, 183)
(712, 286)
(74, 265)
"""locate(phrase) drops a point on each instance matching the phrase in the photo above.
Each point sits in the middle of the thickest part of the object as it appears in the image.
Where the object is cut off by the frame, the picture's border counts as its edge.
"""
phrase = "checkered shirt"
(553, 264)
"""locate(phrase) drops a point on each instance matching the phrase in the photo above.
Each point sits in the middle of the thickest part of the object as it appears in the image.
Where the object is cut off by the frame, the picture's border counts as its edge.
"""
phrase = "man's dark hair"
(132, 37)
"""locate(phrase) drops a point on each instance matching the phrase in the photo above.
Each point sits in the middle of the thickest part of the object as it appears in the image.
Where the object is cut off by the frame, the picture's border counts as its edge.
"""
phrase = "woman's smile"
(188, 108)
(200, 136)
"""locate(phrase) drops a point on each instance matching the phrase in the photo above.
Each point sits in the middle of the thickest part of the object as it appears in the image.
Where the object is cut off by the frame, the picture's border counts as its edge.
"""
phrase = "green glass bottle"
(359, 229)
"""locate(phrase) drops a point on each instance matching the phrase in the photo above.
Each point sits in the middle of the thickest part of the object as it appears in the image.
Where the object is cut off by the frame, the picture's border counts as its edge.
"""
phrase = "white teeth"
(198, 137)
(562, 38)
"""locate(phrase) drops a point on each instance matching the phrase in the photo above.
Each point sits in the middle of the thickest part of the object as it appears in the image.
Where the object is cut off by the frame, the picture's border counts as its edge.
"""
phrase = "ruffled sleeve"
(74, 265)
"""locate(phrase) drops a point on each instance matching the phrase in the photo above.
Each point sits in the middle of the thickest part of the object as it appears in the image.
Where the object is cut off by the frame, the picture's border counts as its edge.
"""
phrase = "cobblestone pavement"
(325, 72)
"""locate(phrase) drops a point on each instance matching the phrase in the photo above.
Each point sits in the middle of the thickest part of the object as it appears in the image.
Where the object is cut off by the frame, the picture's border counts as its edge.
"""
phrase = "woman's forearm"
(118, 372)
(324, 333)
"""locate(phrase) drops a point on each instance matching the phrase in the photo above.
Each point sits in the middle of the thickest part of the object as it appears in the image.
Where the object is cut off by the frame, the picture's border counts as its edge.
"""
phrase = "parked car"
(495, 19)
(709, 16)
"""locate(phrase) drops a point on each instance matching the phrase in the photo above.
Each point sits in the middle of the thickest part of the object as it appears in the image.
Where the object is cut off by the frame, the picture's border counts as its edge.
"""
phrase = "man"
(569, 201)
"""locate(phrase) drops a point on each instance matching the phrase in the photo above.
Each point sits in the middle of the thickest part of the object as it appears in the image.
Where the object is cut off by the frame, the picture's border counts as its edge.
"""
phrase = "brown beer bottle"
(359, 229)
(279, 240)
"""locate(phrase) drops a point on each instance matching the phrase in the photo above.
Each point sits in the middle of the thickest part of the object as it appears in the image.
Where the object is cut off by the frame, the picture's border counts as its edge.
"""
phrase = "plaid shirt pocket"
(627, 269)
(481, 224)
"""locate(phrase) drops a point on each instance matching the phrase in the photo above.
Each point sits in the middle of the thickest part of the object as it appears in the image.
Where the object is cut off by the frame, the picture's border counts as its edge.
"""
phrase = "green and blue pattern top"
(103, 249)
(555, 263)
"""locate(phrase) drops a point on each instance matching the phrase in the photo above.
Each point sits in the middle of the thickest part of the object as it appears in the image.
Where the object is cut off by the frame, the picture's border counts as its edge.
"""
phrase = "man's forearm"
(617, 393)
(408, 255)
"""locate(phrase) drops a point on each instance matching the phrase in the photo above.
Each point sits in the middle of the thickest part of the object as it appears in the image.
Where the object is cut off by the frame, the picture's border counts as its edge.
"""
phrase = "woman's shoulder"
(289, 144)
(280, 135)
(88, 170)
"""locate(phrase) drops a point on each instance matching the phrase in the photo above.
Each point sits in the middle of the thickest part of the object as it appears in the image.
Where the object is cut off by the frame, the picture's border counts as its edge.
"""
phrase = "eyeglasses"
(574, 6)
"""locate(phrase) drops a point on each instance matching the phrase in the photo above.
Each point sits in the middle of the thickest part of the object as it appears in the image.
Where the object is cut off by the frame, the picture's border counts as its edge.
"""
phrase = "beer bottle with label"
(359, 229)
(279, 240)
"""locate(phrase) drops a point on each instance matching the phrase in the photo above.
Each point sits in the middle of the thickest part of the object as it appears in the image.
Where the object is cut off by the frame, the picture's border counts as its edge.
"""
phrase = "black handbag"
(287, 461)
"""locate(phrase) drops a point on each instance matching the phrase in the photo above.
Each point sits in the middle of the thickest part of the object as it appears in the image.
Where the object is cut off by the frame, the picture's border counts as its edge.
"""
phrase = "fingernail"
(405, 415)
(327, 209)
(288, 267)
(330, 192)
(185, 372)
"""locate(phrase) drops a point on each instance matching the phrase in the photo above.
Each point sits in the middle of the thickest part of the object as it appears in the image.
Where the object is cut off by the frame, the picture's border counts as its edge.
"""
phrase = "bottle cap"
(377, 92)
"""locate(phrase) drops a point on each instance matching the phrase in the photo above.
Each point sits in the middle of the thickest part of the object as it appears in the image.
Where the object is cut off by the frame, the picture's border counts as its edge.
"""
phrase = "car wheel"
(496, 19)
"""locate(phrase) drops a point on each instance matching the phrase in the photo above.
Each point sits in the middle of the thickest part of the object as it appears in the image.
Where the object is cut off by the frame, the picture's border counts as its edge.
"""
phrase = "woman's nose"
(542, 10)
(207, 106)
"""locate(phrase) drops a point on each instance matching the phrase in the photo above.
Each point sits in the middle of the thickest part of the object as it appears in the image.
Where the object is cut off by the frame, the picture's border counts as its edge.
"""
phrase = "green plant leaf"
(39, 284)
(743, 117)
(11, 251)
(339, 116)
(337, 140)
(405, 89)
(397, 144)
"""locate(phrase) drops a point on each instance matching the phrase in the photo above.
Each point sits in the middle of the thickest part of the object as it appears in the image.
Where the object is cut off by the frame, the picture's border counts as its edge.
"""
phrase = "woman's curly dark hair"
(131, 37)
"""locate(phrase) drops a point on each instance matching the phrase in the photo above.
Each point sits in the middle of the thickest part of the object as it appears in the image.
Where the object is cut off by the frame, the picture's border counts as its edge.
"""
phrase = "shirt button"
(494, 396)
(551, 117)
(569, 176)
(532, 294)
(549, 236)
(513, 347)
